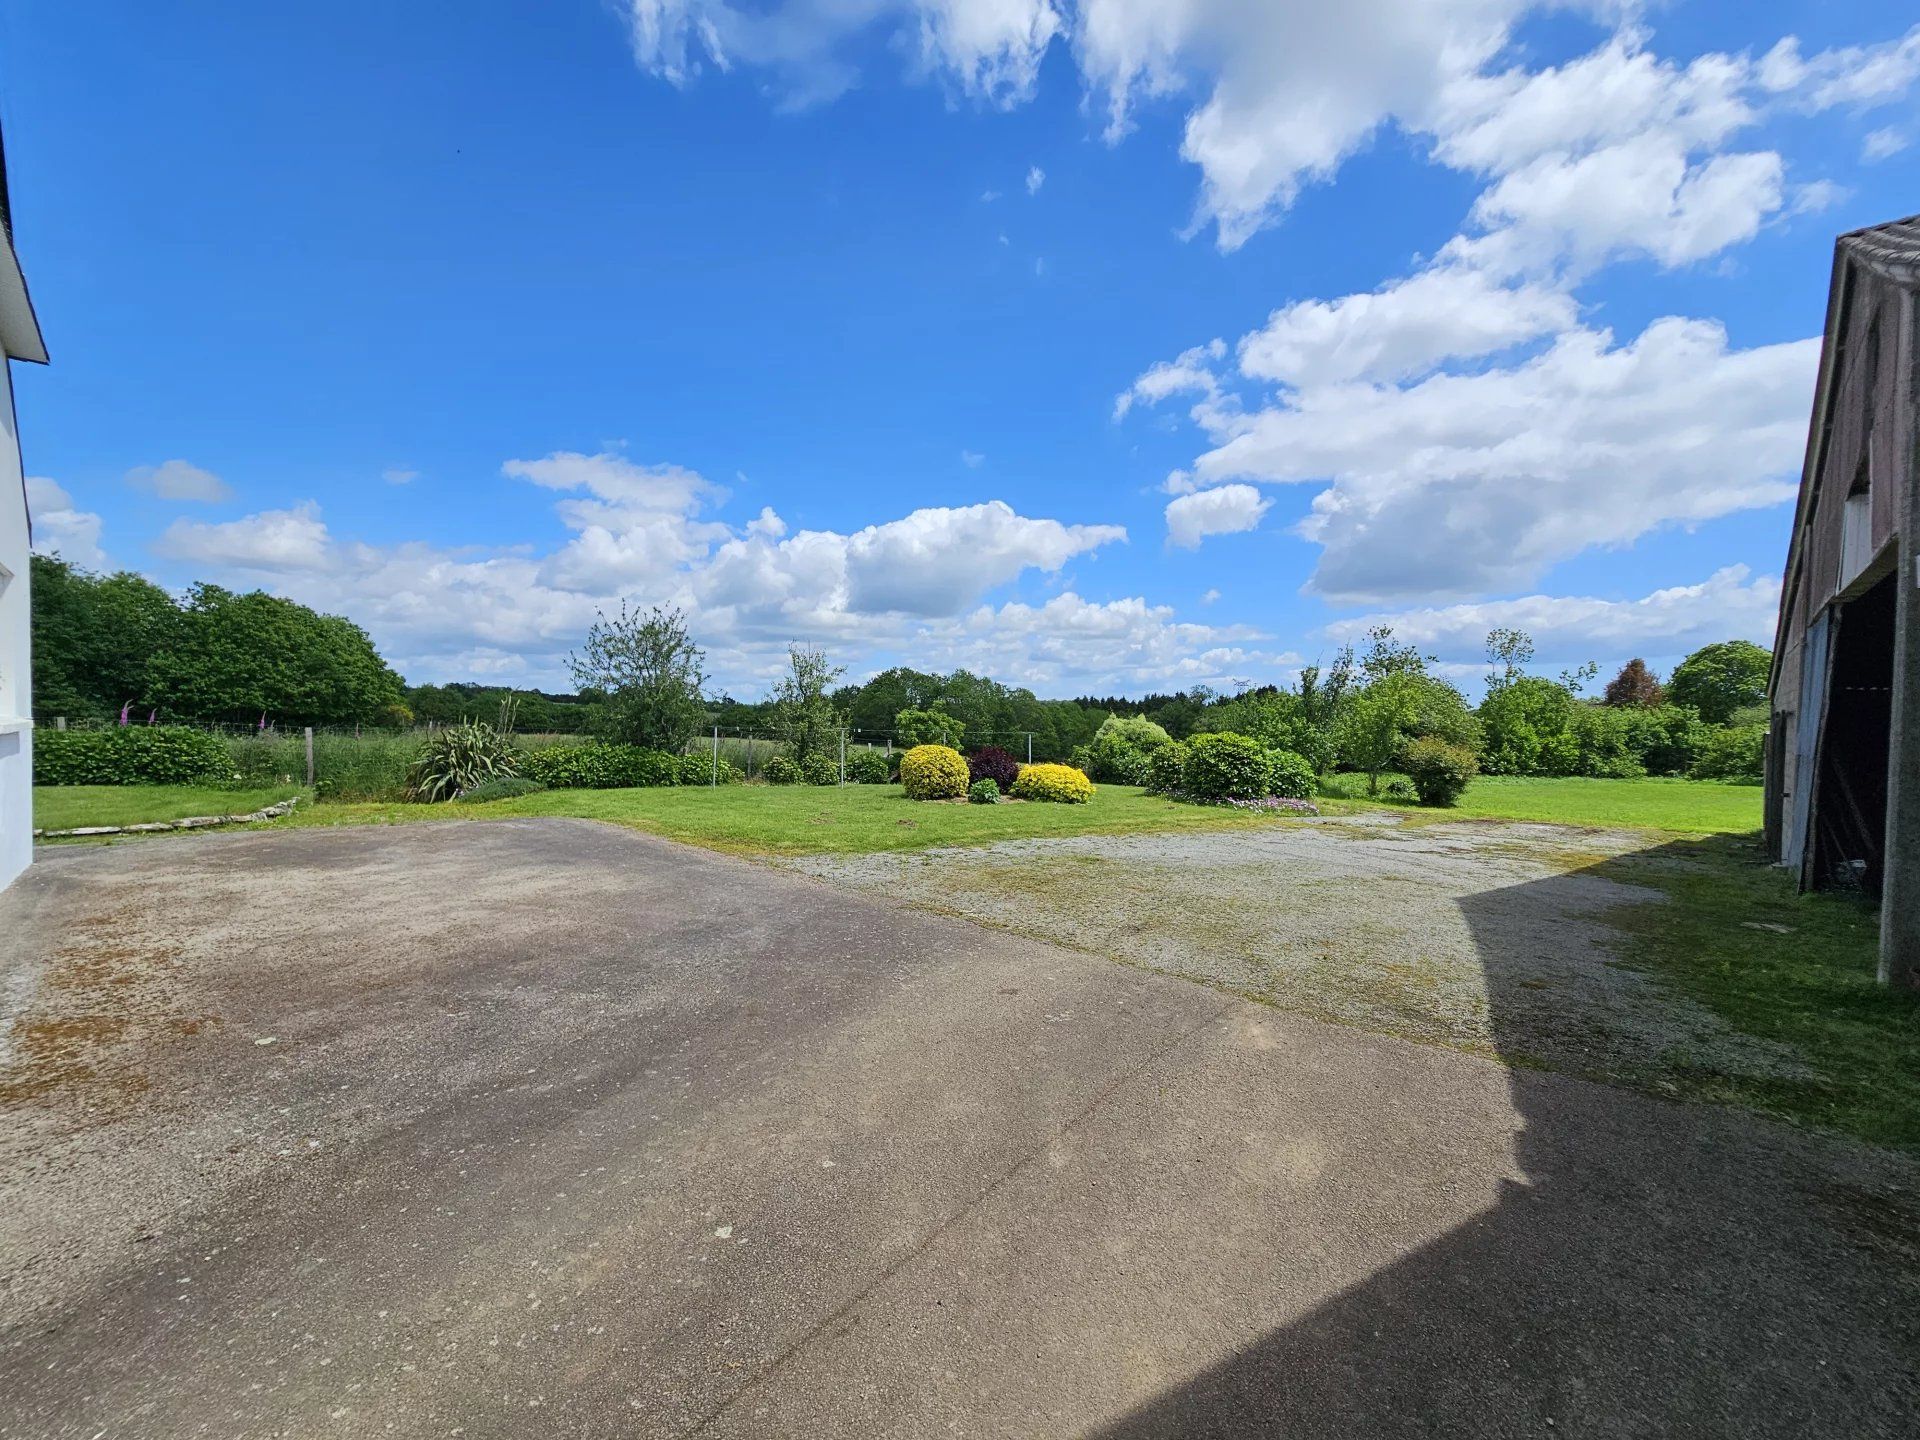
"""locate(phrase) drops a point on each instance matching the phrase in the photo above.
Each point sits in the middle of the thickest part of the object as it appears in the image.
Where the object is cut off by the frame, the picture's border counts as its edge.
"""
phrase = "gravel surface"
(1488, 937)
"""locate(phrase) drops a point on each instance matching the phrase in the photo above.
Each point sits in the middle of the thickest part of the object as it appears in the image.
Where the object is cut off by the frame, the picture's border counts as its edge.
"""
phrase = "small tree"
(1509, 652)
(912, 728)
(802, 713)
(649, 669)
(1386, 656)
(1635, 687)
(1403, 705)
(1374, 723)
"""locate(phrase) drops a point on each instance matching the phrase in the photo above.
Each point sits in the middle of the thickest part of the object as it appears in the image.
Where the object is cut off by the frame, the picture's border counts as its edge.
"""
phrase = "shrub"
(933, 772)
(868, 767)
(1666, 738)
(1439, 770)
(984, 792)
(1061, 784)
(1225, 767)
(1735, 753)
(1399, 788)
(818, 769)
(458, 758)
(1113, 759)
(504, 787)
(781, 771)
(990, 762)
(600, 766)
(1137, 731)
(1165, 767)
(131, 755)
(698, 769)
(1290, 776)
(1604, 735)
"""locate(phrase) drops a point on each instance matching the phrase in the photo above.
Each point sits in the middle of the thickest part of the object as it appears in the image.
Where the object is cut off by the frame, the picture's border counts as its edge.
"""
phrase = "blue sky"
(1094, 344)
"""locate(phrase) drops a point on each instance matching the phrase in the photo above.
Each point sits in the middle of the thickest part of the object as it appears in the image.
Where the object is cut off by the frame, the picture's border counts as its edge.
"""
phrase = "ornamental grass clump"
(459, 758)
(934, 772)
(1060, 784)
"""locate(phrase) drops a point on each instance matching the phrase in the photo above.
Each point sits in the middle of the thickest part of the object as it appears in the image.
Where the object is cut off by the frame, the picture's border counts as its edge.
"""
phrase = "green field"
(1686, 807)
(804, 819)
(799, 820)
(72, 807)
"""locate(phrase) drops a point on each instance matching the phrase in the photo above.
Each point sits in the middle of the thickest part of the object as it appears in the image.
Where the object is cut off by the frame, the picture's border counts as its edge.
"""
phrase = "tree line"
(120, 647)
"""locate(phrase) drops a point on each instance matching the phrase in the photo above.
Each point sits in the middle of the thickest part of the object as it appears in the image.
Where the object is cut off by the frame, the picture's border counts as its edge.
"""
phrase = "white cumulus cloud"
(1223, 510)
(178, 480)
(60, 527)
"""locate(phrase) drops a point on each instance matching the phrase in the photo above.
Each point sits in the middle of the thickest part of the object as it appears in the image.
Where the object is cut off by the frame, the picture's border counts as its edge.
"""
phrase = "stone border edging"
(192, 822)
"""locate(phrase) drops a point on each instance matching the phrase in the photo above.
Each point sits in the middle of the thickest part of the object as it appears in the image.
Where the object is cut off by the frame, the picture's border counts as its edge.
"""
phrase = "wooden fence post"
(716, 757)
(59, 722)
(309, 757)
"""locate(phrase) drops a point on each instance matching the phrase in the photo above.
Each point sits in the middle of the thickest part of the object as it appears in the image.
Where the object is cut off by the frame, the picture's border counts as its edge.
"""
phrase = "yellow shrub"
(1061, 783)
(933, 772)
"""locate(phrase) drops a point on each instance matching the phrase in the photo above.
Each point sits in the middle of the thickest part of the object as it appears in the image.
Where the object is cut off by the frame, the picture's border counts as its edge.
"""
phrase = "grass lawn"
(71, 807)
(1791, 968)
(1688, 807)
(811, 820)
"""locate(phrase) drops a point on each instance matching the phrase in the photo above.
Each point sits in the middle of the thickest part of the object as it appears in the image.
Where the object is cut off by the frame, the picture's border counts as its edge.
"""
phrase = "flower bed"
(1262, 805)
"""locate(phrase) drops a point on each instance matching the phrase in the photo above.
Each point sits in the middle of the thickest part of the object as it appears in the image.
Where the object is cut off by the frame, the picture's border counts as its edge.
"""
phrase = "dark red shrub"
(990, 762)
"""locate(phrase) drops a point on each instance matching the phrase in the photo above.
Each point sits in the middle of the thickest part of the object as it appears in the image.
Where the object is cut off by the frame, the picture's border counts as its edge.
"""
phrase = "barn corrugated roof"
(1891, 250)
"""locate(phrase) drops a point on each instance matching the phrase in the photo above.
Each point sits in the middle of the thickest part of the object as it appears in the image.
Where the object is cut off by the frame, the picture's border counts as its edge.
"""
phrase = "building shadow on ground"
(1662, 1270)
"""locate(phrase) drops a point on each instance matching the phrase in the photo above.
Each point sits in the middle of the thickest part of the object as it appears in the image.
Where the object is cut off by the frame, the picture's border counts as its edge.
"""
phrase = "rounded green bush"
(933, 772)
(1290, 775)
(1060, 784)
(820, 770)
(781, 771)
(867, 767)
(1225, 767)
(1165, 768)
(1113, 759)
(984, 792)
(697, 768)
(1439, 770)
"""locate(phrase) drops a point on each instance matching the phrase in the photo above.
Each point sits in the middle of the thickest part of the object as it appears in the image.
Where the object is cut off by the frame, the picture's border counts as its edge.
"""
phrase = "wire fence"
(356, 762)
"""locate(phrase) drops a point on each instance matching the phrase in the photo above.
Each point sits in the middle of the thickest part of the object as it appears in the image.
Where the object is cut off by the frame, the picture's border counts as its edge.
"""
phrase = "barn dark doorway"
(1850, 804)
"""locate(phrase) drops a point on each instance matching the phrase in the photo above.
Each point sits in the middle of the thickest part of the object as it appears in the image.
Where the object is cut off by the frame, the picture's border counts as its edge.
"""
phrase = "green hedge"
(130, 755)
(602, 766)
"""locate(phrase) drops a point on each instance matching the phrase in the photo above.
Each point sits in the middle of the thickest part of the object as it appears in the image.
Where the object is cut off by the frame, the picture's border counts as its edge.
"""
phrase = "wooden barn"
(1843, 760)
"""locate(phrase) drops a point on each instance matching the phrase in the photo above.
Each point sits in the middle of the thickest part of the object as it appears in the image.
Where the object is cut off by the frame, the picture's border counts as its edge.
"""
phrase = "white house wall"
(16, 673)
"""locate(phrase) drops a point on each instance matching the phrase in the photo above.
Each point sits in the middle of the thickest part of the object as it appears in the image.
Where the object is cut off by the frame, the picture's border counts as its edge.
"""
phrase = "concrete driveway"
(540, 1128)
